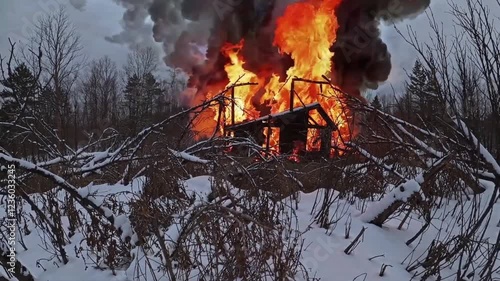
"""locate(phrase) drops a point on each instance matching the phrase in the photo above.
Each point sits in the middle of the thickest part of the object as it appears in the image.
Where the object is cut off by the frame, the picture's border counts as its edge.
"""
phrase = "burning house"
(307, 128)
(269, 45)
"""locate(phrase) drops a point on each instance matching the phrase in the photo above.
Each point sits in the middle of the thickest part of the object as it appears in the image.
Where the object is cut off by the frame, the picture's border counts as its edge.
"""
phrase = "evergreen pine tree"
(151, 92)
(20, 94)
(18, 101)
(435, 102)
(418, 79)
(132, 95)
(140, 97)
(376, 103)
(422, 91)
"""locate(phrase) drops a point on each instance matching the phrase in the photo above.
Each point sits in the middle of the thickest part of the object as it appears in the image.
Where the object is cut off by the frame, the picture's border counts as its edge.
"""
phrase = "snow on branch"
(380, 211)
(420, 143)
(377, 161)
(486, 155)
(188, 157)
(401, 193)
(122, 227)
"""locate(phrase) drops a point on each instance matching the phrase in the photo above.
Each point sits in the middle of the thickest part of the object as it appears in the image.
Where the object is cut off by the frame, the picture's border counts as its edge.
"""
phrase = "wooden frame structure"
(293, 125)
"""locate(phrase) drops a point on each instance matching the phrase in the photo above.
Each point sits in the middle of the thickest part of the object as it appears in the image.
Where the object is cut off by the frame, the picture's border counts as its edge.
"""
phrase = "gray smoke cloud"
(78, 4)
(182, 27)
(185, 27)
(135, 29)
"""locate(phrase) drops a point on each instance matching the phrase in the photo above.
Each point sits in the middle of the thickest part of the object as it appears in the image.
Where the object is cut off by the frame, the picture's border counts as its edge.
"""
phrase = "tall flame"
(306, 32)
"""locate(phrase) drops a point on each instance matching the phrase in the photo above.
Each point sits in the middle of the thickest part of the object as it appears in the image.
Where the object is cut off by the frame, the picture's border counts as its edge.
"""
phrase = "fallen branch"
(84, 201)
(355, 242)
(380, 211)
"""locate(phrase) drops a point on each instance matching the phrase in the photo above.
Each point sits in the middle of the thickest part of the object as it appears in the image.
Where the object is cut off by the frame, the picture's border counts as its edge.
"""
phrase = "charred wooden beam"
(327, 118)
(294, 124)
(268, 136)
(232, 106)
(311, 81)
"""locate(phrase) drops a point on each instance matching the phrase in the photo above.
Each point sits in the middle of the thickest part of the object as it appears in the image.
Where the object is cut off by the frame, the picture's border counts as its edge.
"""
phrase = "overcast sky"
(95, 19)
(99, 18)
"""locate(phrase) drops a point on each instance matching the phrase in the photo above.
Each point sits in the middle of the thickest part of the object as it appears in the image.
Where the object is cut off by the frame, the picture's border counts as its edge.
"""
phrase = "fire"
(306, 32)
(237, 74)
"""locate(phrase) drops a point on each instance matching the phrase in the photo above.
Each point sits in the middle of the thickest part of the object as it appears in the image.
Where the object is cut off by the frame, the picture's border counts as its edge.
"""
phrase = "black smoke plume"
(362, 59)
(193, 31)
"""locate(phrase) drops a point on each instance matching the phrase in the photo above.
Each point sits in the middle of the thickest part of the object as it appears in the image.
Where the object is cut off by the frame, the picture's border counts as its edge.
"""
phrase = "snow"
(323, 254)
(325, 259)
(122, 222)
(188, 157)
(482, 150)
(199, 187)
(401, 193)
(421, 143)
(380, 162)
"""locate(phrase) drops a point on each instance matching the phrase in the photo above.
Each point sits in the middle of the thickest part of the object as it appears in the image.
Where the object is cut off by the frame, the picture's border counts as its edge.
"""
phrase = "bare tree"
(141, 61)
(99, 91)
(172, 88)
(466, 66)
(478, 58)
(60, 48)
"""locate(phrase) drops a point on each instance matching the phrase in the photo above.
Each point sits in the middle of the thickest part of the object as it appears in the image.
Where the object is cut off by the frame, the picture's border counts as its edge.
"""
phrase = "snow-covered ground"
(323, 253)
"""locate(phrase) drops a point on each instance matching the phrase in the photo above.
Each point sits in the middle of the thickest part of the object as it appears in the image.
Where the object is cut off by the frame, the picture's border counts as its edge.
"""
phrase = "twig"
(355, 242)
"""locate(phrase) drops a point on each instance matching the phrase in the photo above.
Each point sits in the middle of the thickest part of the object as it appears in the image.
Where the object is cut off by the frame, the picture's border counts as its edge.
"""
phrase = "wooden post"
(326, 140)
(221, 119)
(269, 132)
(292, 93)
(232, 106)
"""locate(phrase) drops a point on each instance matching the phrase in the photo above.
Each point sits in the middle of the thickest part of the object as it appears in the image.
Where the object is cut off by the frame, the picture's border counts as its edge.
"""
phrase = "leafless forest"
(427, 155)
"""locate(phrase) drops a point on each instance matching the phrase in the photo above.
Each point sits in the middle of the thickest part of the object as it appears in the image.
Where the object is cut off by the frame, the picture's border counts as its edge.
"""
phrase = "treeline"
(424, 104)
(73, 99)
(457, 74)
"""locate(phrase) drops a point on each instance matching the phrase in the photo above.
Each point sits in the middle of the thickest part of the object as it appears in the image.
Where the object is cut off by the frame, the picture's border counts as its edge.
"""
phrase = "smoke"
(78, 4)
(192, 33)
(362, 59)
(136, 31)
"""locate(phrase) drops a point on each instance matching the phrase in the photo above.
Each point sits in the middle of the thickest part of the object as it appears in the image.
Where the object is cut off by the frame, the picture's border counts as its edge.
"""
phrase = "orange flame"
(306, 32)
